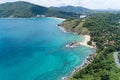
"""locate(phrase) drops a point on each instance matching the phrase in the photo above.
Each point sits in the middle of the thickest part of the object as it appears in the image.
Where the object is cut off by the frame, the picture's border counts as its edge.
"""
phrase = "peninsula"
(104, 31)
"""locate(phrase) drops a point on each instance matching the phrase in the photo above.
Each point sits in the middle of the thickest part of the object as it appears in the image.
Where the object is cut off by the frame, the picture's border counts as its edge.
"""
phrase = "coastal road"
(116, 59)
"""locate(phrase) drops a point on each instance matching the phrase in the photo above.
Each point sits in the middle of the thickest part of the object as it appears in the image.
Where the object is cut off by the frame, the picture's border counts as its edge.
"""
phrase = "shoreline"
(84, 42)
(84, 64)
(31, 18)
(87, 38)
(62, 28)
(87, 60)
(56, 18)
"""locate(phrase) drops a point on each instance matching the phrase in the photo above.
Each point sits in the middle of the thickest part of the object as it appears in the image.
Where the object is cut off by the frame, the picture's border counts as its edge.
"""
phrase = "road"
(116, 59)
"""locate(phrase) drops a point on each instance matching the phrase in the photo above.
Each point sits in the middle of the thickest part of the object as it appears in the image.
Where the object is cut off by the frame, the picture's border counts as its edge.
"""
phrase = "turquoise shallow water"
(34, 49)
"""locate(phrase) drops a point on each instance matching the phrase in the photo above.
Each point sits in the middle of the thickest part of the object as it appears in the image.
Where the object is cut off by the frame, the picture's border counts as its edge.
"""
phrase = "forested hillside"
(21, 9)
(104, 30)
(25, 9)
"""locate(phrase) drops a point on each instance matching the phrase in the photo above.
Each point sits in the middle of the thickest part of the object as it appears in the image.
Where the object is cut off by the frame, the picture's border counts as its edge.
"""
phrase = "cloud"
(93, 4)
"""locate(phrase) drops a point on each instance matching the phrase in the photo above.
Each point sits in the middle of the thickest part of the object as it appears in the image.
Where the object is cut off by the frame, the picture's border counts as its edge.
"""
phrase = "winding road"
(116, 59)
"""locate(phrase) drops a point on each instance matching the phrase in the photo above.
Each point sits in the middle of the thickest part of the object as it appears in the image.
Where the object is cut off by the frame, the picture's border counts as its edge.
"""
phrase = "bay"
(34, 49)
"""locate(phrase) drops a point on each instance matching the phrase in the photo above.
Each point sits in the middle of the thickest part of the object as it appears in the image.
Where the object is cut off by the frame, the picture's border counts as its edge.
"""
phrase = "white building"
(83, 16)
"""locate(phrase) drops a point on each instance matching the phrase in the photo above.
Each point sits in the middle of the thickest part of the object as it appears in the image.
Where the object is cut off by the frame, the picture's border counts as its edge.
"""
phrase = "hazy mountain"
(72, 9)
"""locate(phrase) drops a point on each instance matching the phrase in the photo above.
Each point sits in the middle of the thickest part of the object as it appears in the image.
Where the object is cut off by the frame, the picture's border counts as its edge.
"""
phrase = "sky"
(91, 4)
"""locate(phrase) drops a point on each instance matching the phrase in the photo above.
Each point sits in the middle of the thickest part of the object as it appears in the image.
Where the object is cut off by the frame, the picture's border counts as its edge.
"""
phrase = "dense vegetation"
(20, 9)
(25, 9)
(104, 29)
(102, 68)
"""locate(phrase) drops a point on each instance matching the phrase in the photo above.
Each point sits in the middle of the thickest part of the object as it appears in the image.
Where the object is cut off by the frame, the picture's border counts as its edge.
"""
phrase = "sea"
(34, 49)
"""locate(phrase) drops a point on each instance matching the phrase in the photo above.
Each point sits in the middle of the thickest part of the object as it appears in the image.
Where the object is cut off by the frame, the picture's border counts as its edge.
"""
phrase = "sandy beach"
(62, 29)
(86, 62)
(86, 40)
(83, 43)
(57, 18)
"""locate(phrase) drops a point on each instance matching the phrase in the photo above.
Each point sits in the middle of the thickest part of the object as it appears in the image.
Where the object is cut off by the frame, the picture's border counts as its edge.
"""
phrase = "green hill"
(25, 9)
(21, 9)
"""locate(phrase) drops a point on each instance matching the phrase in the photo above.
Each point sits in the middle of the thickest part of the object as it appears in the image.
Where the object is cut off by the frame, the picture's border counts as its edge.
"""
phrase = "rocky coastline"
(87, 60)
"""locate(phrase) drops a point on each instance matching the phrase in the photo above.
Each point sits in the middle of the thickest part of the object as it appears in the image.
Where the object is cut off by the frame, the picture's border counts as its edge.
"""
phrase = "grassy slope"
(74, 25)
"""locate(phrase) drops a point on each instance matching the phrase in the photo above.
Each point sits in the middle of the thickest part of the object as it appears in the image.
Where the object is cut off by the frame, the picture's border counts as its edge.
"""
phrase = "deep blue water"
(34, 49)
